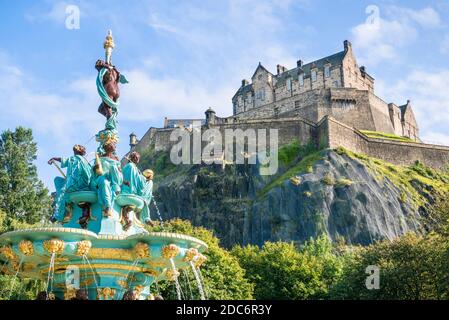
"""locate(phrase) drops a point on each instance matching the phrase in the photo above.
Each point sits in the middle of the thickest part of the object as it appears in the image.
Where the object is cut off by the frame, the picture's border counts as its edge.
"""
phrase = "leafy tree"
(22, 195)
(280, 271)
(411, 267)
(224, 278)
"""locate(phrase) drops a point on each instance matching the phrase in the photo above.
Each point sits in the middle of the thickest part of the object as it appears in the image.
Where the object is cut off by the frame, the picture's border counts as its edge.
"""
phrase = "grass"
(288, 153)
(343, 182)
(303, 166)
(328, 179)
(416, 182)
(386, 136)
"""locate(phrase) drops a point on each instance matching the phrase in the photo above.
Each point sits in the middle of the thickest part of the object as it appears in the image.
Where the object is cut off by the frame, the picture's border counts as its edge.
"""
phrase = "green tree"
(224, 278)
(282, 271)
(22, 195)
(411, 267)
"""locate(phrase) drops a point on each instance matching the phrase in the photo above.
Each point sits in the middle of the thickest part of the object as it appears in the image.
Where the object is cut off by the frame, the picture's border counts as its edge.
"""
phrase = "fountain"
(101, 248)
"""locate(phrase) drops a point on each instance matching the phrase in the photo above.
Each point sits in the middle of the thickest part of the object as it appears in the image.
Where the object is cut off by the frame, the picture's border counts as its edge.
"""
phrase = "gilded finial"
(109, 41)
(108, 46)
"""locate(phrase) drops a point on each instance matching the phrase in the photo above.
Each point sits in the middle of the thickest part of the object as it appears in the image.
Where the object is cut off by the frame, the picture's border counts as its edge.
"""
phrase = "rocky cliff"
(349, 197)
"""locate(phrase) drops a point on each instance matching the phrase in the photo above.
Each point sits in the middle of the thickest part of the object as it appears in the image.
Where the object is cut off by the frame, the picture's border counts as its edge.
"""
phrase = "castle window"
(301, 79)
(297, 104)
(289, 84)
(261, 94)
(314, 76)
(327, 71)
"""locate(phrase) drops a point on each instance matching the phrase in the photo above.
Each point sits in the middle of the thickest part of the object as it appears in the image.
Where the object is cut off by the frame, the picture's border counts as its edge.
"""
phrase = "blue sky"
(183, 56)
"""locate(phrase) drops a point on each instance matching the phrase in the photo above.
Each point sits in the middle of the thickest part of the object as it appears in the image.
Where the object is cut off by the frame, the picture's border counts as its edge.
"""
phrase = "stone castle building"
(334, 86)
(330, 101)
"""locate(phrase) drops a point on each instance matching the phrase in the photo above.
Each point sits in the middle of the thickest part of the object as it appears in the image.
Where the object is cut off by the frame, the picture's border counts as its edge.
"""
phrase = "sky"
(182, 57)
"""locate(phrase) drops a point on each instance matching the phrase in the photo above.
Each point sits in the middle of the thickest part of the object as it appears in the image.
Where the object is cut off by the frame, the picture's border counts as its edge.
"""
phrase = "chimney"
(244, 82)
(347, 45)
(299, 63)
(133, 140)
(363, 71)
(281, 69)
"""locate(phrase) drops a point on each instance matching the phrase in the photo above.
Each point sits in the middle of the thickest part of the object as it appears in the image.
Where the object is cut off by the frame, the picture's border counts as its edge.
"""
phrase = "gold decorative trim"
(83, 247)
(170, 251)
(54, 246)
(172, 275)
(8, 253)
(97, 266)
(190, 255)
(111, 253)
(142, 250)
(105, 293)
(69, 293)
(26, 247)
(199, 260)
(149, 235)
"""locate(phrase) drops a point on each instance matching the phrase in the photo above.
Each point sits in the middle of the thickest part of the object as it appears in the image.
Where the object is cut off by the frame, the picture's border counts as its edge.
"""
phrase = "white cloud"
(428, 93)
(379, 41)
(426, 18)
(382, 37)
(56, 13)
(444, 45)
(146, 98)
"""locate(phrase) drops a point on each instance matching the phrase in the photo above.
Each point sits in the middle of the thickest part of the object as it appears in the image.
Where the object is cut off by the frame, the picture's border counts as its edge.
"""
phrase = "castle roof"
(260, 66)
(335, 59)
(244, 90)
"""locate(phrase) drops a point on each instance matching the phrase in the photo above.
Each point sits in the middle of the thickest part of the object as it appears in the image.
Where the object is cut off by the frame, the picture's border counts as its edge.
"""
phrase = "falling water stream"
(135, 262)
(186, 275)
(14, 278)
(85, 259)
(198, 281)
(206, 290)
(51, 273)
(178, 286)
(158, 213)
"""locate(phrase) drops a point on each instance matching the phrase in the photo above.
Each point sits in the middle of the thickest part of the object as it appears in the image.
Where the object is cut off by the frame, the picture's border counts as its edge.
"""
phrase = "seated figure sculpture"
(147, 195)
(78, 178)
(108, 179)
(135, 183)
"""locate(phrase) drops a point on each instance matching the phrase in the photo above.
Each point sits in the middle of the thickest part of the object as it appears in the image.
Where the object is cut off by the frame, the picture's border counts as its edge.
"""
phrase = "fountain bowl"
(106, 266)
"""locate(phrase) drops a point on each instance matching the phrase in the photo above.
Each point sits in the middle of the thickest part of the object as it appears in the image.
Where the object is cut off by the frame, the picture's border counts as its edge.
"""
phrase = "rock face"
(339, 197)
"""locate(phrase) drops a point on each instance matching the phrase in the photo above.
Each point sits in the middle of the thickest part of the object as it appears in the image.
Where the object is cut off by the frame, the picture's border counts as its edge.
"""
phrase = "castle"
(330, 101)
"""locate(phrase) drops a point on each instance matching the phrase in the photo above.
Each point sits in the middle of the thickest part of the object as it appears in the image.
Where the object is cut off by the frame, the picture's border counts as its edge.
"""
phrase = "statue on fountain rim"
(109, 178)
(78, 178)
(134, 182)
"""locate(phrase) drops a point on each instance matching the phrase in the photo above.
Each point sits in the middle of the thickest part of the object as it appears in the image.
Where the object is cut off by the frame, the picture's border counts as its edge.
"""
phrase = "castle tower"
(210, 116)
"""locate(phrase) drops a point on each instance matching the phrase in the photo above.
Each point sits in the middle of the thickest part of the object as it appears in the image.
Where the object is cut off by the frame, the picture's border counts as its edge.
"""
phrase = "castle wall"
(399, 153)
(328, 133)
(381, 115)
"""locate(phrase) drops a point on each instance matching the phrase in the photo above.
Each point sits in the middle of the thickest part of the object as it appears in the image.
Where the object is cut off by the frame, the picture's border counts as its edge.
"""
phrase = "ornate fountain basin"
(105, 265)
